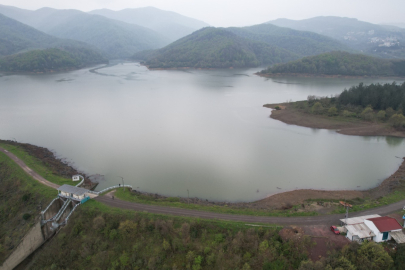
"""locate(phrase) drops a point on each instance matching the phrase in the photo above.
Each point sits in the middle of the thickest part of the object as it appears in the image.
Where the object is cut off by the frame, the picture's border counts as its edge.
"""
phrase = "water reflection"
(394, 141)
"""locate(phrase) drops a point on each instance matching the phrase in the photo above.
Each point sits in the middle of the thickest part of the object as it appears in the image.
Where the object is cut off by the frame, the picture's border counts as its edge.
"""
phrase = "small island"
(374, 110)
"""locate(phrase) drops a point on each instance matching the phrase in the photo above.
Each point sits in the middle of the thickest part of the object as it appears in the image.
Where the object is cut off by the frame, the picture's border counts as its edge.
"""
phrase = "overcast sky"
(242, 12)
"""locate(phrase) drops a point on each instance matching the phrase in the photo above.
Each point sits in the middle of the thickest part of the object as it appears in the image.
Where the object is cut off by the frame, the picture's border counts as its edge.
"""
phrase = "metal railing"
(109, 188)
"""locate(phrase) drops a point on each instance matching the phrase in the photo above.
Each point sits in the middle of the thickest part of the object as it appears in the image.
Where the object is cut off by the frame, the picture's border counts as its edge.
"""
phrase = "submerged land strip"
(158, 209)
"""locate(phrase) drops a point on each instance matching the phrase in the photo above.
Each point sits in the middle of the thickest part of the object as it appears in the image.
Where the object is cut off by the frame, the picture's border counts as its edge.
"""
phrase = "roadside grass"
(364, 204)
(173, 202)
(360, 204)
(21, 198)
(36, 164)
(91, 207)
(29, 184)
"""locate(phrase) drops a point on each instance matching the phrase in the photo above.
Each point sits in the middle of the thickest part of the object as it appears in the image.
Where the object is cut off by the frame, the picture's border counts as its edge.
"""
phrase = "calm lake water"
(205, 131)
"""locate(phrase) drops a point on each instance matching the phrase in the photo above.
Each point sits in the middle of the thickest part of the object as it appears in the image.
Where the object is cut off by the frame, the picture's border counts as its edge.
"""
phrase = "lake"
(201, 130)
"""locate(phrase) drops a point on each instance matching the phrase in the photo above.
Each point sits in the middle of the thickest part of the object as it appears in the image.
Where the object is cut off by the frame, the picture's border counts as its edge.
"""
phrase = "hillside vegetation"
(167, 23)
(115, 39)
(375, 102)
(373, 39)
(302, 43)
(341, 63)
(214, 48)
(46, 60)
(18, 40)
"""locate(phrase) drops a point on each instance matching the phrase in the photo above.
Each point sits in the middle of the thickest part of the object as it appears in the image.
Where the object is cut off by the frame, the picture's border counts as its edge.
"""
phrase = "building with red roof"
(382, 227)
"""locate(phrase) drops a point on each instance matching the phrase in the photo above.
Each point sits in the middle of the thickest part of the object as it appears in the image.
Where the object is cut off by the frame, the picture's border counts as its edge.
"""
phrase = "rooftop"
(361, 230)
(357, 220)
(386, 224)
(75, 190)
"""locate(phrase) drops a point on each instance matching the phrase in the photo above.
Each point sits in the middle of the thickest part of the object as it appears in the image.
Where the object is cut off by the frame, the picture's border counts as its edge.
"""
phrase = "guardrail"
(109, 188)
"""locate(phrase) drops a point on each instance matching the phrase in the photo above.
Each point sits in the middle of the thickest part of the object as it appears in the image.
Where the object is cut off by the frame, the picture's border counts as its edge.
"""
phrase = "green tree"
(397, 121)
(317, 108)
(372, 256)
(332, 111)
(400, 257)
(367, 113)
(381, 115)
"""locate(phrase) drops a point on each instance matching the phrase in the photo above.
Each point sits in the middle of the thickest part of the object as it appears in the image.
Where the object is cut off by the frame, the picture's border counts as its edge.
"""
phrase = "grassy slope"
(36, 164)
(171, 202)
(19, 195)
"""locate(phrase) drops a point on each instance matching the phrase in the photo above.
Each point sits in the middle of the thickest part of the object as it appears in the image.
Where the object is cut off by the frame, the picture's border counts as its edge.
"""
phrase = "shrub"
(347, 113)
(332, 111)
(26, 216)
(367, 113)
(277, 108)
(381, 115)
(397, 121)
(173, 199)
(317, 108)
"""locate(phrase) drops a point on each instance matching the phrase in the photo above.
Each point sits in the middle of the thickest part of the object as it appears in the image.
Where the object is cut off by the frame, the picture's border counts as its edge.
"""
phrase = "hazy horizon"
(226, 13)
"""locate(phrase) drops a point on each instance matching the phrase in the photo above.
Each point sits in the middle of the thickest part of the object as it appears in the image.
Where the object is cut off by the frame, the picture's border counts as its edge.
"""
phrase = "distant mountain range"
(302, 43)
(169, 24)
(239, 47)
(341, 63)
(17, 38)
(215, 48)
(378, 40)
(115, 38)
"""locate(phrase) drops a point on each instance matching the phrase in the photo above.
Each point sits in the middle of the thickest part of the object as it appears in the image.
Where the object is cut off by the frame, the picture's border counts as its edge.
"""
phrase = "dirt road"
(28, 170)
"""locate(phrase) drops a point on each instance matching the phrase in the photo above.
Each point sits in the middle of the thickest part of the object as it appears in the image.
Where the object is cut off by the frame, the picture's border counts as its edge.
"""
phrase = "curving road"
(315, 220)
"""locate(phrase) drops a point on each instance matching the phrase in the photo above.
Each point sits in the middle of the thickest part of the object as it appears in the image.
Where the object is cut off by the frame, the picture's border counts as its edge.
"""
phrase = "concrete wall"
(31, 241)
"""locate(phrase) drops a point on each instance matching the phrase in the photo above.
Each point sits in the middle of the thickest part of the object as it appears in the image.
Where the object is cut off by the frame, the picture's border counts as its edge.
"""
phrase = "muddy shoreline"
(283, 201)
(289, 115)
(307, 75)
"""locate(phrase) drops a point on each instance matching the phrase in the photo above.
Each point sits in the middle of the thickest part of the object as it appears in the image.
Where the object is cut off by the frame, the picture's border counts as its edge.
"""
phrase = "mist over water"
(202, 130)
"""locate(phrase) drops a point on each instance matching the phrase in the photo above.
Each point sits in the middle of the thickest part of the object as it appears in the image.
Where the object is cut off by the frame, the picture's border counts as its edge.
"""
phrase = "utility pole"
(188, 194)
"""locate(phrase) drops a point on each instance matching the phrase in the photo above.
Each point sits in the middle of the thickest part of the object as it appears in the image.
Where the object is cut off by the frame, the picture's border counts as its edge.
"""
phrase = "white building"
(356, 230)
(373, 228)
(74, 193)
(383, 227)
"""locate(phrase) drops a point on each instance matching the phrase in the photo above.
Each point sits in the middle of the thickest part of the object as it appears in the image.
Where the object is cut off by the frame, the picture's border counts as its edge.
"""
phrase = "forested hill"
(370, 38)
(16, 38)
(302, 43)
(214, 48)
(341, 63)
(116, 39)
(44, 61)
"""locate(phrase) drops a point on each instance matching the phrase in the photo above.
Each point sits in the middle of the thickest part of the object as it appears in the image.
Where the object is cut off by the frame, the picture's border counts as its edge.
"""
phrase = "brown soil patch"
(325, 241)
(292, 116)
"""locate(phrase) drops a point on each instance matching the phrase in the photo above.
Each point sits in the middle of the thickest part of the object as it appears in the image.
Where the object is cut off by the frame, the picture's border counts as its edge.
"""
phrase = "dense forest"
(302, 43)
(341, 63)
(379, 97)
(375, 102)
(214, 48)
(48, 60)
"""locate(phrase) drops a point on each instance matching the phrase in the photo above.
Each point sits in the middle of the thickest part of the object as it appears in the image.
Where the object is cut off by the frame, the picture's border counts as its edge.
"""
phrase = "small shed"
(382, 227)
(359, 232)
(74, 193)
